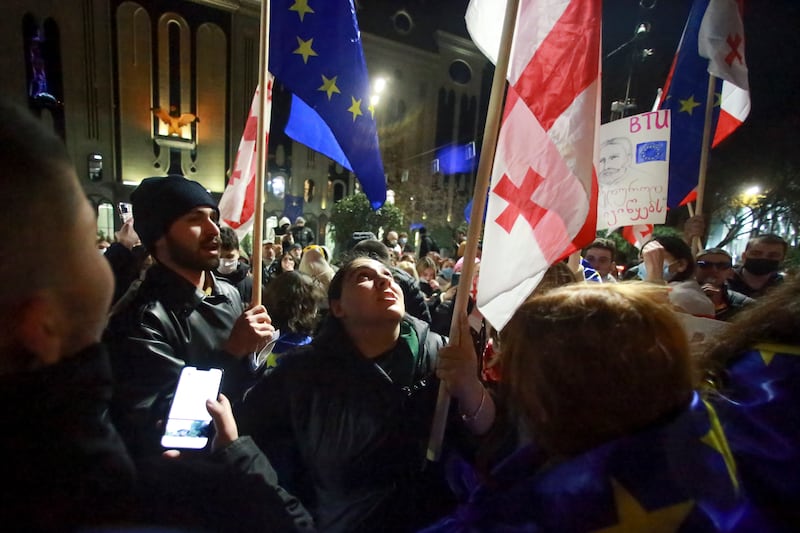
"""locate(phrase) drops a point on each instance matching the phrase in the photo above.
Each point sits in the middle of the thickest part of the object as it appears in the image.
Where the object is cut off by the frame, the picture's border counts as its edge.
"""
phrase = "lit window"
(278, 186)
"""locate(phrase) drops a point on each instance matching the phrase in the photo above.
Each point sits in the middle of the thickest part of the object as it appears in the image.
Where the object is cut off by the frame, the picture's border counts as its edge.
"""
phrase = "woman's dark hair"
(293, 302)
(677, 248)
(228, 238)
(280, 262)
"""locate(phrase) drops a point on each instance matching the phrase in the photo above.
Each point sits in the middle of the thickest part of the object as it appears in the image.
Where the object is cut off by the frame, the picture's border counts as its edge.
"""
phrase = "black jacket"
(427, 244)
(347, 434)
(63, 462)
(242, 280)
(168, 324)
(66, 467)
(303, 235)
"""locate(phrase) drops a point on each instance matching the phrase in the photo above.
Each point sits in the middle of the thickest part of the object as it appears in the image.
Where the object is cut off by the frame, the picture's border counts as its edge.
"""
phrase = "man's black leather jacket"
(166, 325)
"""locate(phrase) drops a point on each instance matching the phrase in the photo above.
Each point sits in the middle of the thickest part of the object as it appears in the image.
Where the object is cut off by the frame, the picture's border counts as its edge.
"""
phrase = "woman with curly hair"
(293, 301)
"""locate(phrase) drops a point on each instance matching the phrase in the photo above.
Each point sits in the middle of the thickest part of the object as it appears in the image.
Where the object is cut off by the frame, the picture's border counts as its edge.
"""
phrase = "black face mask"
(760, 267)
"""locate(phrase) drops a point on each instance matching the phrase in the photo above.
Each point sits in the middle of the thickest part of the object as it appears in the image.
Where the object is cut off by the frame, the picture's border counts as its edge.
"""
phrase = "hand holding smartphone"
(125, 211)
(188, 422)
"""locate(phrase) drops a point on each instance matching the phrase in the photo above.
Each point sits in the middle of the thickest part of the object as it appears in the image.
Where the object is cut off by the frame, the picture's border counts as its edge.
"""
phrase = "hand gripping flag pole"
(481, 189)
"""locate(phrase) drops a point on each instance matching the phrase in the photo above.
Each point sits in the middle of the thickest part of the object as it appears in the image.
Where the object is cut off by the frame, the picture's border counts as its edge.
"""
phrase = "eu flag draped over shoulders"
(680, 476)
(316, 52)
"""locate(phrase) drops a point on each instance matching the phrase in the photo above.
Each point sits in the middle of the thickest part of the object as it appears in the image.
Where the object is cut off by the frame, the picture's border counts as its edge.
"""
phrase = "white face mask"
(227, 266)
(665, 272)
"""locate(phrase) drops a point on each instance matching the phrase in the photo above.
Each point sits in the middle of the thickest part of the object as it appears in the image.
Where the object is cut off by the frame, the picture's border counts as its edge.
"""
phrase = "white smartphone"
(188, 421)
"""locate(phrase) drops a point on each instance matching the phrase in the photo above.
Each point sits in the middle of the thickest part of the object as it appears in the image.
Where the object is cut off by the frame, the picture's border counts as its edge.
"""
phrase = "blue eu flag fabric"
(316, 53)
(589, 273)
(758, 406)
(686, 98)
(683, 474)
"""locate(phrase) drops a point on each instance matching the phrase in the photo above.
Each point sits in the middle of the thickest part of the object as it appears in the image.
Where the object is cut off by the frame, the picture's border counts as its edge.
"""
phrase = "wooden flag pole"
(704, 152)
(482, 179)
(261, 151)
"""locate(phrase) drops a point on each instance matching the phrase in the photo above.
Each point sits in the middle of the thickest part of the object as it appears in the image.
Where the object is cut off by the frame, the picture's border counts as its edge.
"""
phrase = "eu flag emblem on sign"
(651, 151)
(316, 53)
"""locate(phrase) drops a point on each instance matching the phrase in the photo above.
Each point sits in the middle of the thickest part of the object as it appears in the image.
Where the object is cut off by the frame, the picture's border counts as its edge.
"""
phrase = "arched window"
(308, 191)
(339, 191)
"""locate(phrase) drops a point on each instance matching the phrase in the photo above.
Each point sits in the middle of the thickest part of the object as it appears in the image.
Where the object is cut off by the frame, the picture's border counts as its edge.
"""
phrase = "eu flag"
(680, 474)
(316, 53)
(686, 91)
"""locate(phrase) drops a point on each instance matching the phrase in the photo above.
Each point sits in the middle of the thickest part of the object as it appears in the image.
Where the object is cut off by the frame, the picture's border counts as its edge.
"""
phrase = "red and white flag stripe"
(237, 205)
(721, 40)
(543, 197)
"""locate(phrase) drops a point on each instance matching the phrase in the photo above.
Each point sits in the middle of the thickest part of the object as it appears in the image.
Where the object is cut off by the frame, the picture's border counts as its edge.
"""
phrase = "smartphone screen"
(125, 211)
(188, 421)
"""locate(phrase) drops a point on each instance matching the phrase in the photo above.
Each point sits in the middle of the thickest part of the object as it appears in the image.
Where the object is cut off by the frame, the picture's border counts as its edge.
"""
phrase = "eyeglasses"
(718, 265)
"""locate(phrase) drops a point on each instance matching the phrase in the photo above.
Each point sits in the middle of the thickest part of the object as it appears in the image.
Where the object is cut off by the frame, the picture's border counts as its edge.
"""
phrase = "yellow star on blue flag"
(688, 105)
(633, 517)
(327, 118)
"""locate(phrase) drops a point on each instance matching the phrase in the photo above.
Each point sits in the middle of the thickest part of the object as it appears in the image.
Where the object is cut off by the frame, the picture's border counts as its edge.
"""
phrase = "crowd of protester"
(596, 407)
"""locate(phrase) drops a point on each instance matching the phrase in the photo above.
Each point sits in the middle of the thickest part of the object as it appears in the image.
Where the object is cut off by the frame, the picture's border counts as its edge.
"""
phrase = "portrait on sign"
(632, 170)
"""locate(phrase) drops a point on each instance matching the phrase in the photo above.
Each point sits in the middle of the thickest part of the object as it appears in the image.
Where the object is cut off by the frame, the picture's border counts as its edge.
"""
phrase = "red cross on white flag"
(543, 196)
(237, 205)
(721, 40)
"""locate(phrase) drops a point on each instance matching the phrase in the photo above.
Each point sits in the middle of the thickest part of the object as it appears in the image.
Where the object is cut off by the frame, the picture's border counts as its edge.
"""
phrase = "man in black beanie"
(181, 314)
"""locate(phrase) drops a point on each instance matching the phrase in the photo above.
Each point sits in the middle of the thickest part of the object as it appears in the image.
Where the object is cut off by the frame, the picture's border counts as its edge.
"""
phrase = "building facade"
(142, 88)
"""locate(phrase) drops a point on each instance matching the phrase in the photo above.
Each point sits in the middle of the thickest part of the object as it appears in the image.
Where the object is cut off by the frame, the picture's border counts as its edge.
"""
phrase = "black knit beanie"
(160, 201)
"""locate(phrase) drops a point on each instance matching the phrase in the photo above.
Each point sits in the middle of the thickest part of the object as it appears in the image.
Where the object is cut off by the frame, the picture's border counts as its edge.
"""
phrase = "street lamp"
(751, 196)
(379, 85)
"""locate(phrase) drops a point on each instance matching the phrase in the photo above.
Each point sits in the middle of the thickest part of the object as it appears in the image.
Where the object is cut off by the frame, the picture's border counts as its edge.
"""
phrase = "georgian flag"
(238, 203)
(543, 197)
(721, 41)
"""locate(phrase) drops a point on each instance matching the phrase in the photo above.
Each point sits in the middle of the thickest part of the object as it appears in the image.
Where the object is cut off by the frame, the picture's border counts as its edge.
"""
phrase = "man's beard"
(191, 259)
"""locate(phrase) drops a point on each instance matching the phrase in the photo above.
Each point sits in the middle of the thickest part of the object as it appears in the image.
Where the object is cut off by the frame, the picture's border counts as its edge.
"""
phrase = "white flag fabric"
(721, 41)
(543, 196)
(238, 203)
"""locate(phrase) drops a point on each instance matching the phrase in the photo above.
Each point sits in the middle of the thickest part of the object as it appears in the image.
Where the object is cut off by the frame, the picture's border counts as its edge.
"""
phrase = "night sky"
(772, 51)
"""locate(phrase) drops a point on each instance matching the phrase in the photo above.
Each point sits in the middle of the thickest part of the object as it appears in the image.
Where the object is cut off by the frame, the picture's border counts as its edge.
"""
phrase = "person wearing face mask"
(762, 259)
(230, 268)
(406, 246)
(667, 259)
